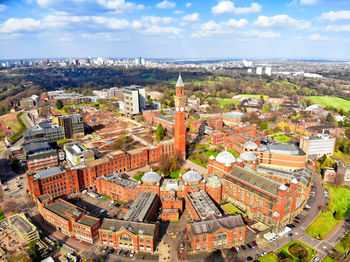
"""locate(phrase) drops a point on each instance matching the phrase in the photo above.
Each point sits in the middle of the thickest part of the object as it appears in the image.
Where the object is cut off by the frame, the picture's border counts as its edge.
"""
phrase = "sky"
(258, 29)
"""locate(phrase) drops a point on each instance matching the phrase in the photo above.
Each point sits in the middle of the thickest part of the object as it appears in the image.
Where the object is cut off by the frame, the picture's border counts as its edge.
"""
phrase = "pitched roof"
(214, 223)
(253, 179)
(133, 227)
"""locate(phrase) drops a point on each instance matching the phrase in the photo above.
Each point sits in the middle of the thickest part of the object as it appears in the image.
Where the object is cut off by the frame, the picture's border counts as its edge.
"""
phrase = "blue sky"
(175, 29)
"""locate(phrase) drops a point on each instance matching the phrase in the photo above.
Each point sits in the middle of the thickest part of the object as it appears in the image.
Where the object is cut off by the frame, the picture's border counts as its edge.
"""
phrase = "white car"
(132, 253)
(316, 259)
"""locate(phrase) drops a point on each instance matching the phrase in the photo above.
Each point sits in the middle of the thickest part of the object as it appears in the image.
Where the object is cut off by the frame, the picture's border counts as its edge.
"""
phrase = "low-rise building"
(44, 131)
(143, 208)
(77, 154)
(40, 155)
(317, 146)
(216, 232)
(129, 235)
(69, 219)
(23, 227)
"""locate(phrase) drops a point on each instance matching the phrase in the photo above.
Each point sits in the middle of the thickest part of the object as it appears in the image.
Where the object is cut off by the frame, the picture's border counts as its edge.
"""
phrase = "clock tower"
(180, 125)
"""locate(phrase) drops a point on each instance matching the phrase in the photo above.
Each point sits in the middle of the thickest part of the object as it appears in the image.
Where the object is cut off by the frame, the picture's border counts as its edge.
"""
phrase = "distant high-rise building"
(268, 70)
(259, 70)
(138, 61)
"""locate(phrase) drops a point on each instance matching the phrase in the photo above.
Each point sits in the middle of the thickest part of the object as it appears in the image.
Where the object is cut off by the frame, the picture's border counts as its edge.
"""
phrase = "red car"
(296, 221)
(254, 243)
(234, 250)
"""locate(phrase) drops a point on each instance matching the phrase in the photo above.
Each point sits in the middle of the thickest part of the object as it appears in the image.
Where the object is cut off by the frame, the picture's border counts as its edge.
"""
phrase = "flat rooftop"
(49, 172)
(64, 209)
(117, 179)
(139, 209)
(279, 148)
(202, 204)
(88, 220)
(22, 224)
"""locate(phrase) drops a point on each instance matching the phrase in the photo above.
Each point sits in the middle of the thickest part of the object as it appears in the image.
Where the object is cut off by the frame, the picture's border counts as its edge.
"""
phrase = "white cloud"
(318, 37)
(211, 28)
(162, 31)
(262, 34)
(281, 20)
(308, 2)
(177, 12)
(119, 6)
(155, 20)
(188, 5)
(3, 8)
(338, 28)
(13, 25)
(226, 6)
(166, 5)
(335, 16)
(191, 18)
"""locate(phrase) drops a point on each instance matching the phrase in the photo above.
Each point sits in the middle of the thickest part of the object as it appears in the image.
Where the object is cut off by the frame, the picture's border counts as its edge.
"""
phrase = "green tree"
(338, 215)
(330, 117)
(160, 133)
(59, 104)
(345, 243)
(245, 110)
(33, 251)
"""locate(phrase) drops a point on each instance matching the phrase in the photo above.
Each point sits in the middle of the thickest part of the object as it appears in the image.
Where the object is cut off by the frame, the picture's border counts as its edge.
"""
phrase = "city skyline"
(309, 29)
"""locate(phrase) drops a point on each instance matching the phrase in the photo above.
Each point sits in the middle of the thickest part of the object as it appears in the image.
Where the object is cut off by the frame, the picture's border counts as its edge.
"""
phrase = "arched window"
(219, 236)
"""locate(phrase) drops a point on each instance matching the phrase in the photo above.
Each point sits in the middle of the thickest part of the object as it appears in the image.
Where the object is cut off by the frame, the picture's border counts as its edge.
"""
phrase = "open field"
(253, 96)
(225, 101)
(11, 121)
(310, 251)
(340, 246)
(336, 102)
(324, 224)
(2, 216)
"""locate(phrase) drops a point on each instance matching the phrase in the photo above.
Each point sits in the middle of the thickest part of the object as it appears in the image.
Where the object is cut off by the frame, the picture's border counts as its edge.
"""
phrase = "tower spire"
(179, 82)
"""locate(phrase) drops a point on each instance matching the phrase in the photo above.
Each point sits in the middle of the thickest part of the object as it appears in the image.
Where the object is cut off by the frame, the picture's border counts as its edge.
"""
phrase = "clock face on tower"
(177, 109)
(182, 109)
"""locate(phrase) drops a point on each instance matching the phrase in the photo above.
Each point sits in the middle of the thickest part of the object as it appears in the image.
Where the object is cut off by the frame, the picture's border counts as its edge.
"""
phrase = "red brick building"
(69, 219)
(260, 198)
(216, 232)
(129, 235)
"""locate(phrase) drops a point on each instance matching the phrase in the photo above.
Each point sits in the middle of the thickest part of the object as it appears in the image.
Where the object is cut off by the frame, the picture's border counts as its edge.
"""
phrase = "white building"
(317, 146)
(134, 99)
(268, 70)
(259, 70)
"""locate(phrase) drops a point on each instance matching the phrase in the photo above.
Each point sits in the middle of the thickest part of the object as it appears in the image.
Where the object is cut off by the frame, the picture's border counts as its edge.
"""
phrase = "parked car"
(243, 247)
(316, 259)
(257, 255)
(119, 251)
(291, 225)
(234, 250)
(296, 221)
(104, 249)
(254, 243)
(125, 253)
(238, 249)
(250, 258)
(132, 253)
(263, 253)
(250, 246)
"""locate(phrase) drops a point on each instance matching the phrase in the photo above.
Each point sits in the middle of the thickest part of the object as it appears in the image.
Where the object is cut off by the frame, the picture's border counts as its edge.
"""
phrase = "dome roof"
(250, 145)
(213, 182)
(151, 177)
(226, 158)
(192, 176)
(248, 156)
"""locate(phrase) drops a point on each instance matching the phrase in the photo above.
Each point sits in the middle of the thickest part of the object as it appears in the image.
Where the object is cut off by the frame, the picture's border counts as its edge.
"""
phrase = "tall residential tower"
(180, 125)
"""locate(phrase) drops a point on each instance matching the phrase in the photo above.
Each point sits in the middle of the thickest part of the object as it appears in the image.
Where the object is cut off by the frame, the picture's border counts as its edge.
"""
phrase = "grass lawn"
(327, 259)
(253, 96)
(339, 201)
(231, 209)
(11, 121)
(266, 108)
(336, 102)
(270, 257)
(208, 153)
(175, 174)
(282, 138)
(198, 162)
(2, 216)
(233, 153)
(225, 101)
(311, 252)
(340, 246)
(138, 177)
